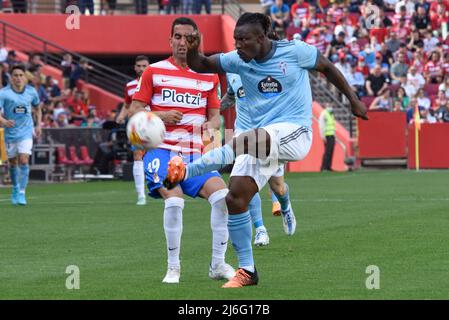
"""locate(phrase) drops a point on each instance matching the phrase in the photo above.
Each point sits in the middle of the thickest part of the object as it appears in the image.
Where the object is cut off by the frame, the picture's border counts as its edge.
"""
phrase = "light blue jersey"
(277, 88)
(17, 106)
(235, 88)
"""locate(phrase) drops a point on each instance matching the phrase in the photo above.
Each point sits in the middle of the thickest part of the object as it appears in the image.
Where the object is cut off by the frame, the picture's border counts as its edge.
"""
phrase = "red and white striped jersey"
(130, 88)
(165, 86)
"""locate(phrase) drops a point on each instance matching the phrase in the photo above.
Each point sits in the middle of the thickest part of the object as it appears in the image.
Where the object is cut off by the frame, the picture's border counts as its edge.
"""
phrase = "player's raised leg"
(253, 142)
(255, 209)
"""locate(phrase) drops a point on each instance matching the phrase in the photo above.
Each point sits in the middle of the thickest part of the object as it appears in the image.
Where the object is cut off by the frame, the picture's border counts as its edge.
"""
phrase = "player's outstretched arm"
(197, 61)
(337, 79)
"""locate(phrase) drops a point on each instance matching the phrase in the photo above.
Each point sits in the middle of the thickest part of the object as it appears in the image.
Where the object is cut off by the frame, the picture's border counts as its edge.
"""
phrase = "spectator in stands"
(397, 106)
(280, 16)
(376, 83)
(174, 5)
(78, 109)
(266, 6)
(362, 67)
(445, 85)
(343, 64)
(383, 102)
(433, 72)
(90, 122)
(369, 55)
(52, 88)
(62, 120)
(401, 29)
(11, 59)
(86, 4)
(336, 45)
(34, 61)
(19, 6)
(390, 5)
(36, 82)
(198, 4)
(79, 72)
(356, 80)
(439, 14)
(409, 7)
(398, 69)
(402, 98)
(392, 42)
(141, 6)
(427, 116)
(414, 79)
(299, 11)
(421, 20)
(186, 6)
(345, 27)
(387, 55)
(47, 121)
(67, 67)
(311, 22)
(442, 113)
(423, 100)
(430, 41)
(415, 40)
(440, 100)
(112, 5)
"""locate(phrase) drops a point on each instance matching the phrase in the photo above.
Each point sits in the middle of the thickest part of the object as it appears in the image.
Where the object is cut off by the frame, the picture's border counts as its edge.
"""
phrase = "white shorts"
(22, 147)
(289, 142)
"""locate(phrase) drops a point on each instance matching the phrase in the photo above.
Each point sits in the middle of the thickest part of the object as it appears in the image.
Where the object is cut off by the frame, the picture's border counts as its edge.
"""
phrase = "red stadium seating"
(61, 156)
(431, 89)
(85, 158)
(73, 156)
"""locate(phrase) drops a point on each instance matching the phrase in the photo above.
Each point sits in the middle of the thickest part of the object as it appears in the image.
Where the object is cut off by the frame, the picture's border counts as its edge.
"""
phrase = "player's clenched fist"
(193, 40)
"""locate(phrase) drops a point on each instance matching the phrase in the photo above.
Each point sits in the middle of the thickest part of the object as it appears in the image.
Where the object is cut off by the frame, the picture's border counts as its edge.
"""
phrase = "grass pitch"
(395, 220)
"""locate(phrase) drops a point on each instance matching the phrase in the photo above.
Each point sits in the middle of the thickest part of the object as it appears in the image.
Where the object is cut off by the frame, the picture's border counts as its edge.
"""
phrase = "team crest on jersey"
(20, 110)
(270, 87)
(283, 67)
(241, 93)
(156, 178)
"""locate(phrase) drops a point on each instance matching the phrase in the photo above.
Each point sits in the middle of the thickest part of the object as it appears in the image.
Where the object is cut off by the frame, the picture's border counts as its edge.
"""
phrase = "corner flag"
(417, 120)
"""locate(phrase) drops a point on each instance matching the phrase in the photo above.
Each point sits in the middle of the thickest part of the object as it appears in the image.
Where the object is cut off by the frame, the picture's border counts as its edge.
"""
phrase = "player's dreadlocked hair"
(255, 18)
(183, 20)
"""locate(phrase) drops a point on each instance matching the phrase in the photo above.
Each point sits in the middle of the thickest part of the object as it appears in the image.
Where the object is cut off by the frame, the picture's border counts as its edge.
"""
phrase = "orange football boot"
(176, 172)
(276, 209)
(242, 278)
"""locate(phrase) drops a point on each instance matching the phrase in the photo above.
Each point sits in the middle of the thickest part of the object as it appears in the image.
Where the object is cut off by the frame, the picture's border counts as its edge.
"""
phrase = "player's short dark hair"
(142, 58)
(183, 21)
(255, 18)
(18, 66)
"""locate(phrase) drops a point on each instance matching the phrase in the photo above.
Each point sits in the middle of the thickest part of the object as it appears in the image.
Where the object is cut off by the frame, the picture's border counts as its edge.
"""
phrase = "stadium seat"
(85, 157)
(431, 89)
(367, 100)
(74, 157)
(61, 156)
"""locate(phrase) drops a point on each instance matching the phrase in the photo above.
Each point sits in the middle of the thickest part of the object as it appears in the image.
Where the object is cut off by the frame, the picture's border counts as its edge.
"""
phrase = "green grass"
(397, 220)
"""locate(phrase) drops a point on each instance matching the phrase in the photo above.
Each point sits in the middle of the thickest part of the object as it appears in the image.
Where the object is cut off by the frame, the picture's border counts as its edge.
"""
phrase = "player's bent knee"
(217, 196)
(174, 202)
(235, 203)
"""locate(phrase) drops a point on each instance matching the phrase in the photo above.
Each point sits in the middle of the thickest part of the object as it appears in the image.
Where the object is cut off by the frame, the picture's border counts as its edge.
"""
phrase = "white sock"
(139, 178)
(219, 225)
(173, 229)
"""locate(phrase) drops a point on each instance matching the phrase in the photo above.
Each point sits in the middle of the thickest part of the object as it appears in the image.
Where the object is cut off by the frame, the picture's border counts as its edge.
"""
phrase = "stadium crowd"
(64, 105)
(395, 54)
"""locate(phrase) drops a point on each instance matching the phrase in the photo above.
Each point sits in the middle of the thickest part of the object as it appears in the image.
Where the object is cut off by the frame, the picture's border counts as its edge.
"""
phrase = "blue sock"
(255, 210)
(14, 173)
(23, 178)
(284, 200)
(213, 160)
(273, 196)
(241, 233)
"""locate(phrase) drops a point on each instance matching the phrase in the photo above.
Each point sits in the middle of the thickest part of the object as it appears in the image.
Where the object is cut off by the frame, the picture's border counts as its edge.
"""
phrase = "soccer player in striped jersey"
(139, 176)
(276, 81)
(188, 103)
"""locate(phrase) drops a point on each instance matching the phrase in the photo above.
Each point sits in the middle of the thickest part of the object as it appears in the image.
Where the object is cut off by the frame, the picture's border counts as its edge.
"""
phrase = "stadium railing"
(52, 54)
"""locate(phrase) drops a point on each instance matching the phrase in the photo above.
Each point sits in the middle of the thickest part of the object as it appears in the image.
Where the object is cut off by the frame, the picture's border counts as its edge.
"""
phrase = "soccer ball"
(145, 130)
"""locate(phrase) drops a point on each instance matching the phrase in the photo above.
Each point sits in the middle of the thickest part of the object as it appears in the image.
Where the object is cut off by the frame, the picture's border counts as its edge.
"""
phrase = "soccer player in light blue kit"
(275, 77)
(17, 102)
